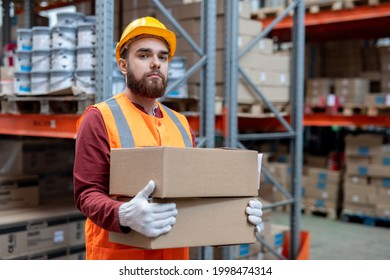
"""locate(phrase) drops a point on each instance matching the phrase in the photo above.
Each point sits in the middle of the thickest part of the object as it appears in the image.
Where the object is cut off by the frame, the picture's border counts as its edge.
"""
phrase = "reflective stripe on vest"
(126, 137)
(186, 138)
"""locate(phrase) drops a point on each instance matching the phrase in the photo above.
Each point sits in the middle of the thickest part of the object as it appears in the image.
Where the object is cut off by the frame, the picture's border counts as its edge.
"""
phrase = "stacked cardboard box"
(343, 58)
(323, 92)
(50, 160)
(18, 191)
(385, 68)
(351, 90)
(210, 197)
(281, 173)
(269, 71)
(366, 182)
(275, 238)
(321, 189)
(52, 231)
(319, 92)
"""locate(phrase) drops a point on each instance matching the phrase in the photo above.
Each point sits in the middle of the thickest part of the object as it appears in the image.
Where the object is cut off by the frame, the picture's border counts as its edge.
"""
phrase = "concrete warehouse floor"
(333, 239)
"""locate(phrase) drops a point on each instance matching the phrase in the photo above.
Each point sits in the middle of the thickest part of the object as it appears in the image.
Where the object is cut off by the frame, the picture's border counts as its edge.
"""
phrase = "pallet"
(182, 104)
(350, 4)
(364, 219)
(267, 12)
(322, 109)
(315, 7)
(369, 110)
(46, 104)
(329, 213)
(262, 110)
(350, 109)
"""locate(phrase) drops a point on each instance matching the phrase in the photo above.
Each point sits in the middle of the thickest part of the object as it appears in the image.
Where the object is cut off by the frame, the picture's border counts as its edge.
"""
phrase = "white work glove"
(149, 219)
(254, 213)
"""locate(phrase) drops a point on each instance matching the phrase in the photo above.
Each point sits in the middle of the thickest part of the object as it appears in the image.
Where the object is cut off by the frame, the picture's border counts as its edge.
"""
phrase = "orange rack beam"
(64, 126)
(57, 126)
(359, 22)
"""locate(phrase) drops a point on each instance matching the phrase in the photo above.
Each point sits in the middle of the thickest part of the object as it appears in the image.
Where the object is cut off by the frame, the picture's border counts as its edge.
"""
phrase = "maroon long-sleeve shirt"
(92, 171)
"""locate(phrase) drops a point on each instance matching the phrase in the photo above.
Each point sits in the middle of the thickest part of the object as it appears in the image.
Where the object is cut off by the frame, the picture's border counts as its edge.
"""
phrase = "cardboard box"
(351, 90)
(357, 194)
(373, 170)
(15, 197)
(320, 189)
(381, 182)
(18, 191)
(184, 172)
(359, 209)
(382, 210)
(263, 62)
(323, 175)
(29, 230)
(200, 222)
(363, 145)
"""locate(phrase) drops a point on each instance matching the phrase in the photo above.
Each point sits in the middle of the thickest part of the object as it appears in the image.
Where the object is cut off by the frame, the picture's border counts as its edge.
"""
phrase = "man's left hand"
(254, 211)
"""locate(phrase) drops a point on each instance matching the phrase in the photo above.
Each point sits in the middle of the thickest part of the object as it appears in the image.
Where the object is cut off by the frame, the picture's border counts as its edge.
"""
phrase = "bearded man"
(132, 118)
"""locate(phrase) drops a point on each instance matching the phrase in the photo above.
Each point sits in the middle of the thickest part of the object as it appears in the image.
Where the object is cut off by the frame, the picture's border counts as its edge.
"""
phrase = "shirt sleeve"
(92, 173)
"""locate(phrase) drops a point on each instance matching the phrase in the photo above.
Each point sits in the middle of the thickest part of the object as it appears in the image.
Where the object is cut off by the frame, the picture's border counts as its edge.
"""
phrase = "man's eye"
(164, 58)
(143, 56)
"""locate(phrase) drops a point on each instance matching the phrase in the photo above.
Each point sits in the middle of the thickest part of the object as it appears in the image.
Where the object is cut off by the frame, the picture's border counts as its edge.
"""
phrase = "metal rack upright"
(294, 131)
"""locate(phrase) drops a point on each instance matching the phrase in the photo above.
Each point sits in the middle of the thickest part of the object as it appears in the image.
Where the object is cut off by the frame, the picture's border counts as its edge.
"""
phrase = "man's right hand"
(149, 219)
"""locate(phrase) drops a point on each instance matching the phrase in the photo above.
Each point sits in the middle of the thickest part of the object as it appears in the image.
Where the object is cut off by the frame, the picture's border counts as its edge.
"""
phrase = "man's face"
(147, 68)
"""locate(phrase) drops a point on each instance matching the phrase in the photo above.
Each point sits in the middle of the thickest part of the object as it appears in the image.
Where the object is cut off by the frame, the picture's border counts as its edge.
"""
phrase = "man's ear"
(122, 64)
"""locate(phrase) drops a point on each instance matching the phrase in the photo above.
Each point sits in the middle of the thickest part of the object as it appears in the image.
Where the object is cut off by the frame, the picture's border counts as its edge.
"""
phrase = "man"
(132, 118)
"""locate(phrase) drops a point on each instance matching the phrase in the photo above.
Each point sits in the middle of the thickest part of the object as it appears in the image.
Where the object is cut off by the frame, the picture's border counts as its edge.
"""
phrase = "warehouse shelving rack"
(372, 20)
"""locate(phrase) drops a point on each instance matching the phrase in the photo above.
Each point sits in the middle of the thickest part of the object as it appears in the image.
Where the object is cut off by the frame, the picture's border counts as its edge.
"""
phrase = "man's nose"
(155, 63)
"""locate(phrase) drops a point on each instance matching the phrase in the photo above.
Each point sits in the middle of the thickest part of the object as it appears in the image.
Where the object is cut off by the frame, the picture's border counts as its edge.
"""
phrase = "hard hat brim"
(169, 37)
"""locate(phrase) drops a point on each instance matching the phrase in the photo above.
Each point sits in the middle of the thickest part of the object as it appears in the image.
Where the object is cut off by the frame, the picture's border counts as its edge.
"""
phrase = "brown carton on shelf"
(184, 172)
(18, 190)
(200, 222)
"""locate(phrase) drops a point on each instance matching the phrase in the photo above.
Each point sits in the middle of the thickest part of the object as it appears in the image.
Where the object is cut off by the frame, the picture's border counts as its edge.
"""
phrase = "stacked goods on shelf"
(366, 180)
(7, 80)
(384, 53)
(351, 90)
(53, 59)
(53, 231)
(22, 61)
(268, 70)
(321, 188)
(276, 161)
(324, 92)
(36, 191)
(275, 237)
(343, 59)
(354, 75)
(18, 191)
(319, 92)
(50, 160)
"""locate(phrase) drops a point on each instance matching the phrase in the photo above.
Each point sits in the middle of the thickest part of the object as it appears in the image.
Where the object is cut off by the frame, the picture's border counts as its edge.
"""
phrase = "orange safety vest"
(129, 127)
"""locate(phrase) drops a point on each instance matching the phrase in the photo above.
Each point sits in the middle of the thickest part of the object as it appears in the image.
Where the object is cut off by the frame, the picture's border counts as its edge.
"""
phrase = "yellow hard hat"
(147, 26)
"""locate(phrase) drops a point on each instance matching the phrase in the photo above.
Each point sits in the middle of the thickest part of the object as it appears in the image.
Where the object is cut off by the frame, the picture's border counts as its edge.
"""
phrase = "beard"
(154, 88)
